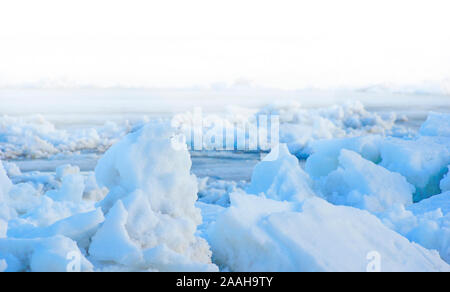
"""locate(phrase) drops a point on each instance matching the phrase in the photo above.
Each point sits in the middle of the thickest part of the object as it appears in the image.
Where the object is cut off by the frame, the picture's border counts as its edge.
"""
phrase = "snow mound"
(259, 234)
(151, 202)
(437, 124)
(280, 177)
(362, 184)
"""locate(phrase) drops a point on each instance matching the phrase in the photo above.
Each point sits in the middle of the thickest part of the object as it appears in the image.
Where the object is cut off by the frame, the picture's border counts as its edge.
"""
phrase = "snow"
(426, 223)
(71, 190)
(49, 211)
(423, 162)
(66, 169)
(5, 183)
(151, 202)
(441, 201)
(217, 191)
(280, 177)
(163, 258)
(41, 254)
(437, 124)
(112, 243)
(11, 169)
(36, 137)
(324, 158)
(24, 197)
(79, 227)
(362, 184)
(259, 234)
(344, 186)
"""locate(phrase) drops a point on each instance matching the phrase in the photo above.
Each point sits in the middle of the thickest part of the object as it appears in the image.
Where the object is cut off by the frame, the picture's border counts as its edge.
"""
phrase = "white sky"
(168, 43)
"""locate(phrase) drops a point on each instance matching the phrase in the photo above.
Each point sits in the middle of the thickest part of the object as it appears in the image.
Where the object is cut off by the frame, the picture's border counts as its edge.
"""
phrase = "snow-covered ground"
(97, 180)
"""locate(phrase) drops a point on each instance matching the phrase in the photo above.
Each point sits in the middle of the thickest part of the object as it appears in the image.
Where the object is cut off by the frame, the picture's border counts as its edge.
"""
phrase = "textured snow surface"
(344, 187)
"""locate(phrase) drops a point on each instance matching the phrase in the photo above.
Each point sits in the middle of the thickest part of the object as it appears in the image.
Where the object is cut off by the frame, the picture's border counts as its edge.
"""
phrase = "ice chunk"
(441, 201)
(445, 182)
(35, 137)
(326, 152)
(423, 162)
(112, 243)
(53, 254)
(92, 191)
(432, 231)
(146, 160)
(24, 197)
(258, 234)
(437, 124)
(66, 169)
(162, 258)
(12, 169)
(79, 227)
(280, 177)
(150, 175)
(49, 211)
(216, 191)
(5, 184)
(426, 223)
(360, 183)
(71, 190)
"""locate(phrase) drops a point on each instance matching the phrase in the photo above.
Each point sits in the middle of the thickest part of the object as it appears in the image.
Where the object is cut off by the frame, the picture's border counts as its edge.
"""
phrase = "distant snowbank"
(36, 137)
